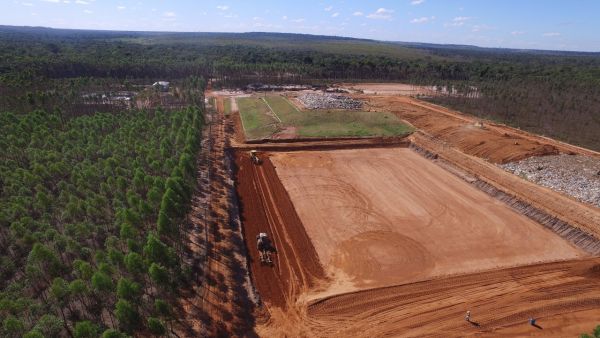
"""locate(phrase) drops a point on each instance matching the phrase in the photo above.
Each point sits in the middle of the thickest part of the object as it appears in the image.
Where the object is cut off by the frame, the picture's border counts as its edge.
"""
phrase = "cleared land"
(496, 143)
(563, 297)
(389, 216)
(277, 117)
(389, 88)
(381, 241)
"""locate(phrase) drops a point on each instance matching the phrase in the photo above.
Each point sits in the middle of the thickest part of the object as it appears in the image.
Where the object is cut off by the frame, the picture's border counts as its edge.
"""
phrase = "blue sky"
(539, 24)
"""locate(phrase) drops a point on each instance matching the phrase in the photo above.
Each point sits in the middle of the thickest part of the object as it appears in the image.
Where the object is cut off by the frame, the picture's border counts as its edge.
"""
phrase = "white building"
(163, 86)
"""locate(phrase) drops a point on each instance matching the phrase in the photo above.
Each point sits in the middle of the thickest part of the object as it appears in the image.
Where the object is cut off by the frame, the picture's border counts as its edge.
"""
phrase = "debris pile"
(329, 101)
(574, 175)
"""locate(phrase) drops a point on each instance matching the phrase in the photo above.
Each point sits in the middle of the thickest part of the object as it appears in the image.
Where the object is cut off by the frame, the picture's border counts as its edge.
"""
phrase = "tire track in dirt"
(578, 214)
(265, 207)
(501, 298)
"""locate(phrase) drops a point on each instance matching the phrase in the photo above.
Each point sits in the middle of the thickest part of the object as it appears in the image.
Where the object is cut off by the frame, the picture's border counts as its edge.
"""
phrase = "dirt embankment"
(582, 216)
(562, 296)
(266, 207)
(497, 144)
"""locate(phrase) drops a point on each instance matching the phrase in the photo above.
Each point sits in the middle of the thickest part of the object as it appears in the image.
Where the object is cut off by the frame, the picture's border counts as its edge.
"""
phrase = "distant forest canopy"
(548, 92)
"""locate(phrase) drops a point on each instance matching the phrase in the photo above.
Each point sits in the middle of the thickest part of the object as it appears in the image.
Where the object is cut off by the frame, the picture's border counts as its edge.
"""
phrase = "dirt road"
(220, 299)
(265, 207)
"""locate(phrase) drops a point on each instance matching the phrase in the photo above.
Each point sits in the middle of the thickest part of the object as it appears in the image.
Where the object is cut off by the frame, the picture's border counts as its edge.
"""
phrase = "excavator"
(263, 244)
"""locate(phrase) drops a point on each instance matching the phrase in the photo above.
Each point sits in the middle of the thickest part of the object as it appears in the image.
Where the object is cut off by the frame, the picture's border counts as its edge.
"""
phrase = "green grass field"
(259, 121)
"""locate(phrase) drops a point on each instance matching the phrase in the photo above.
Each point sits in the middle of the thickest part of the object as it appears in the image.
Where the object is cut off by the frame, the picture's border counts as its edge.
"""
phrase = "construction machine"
(254, 157)
(263, 244)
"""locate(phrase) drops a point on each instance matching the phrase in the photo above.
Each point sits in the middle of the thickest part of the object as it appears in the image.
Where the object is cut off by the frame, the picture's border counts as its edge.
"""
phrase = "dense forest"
(97, 167)
(89, 217)
(552, 93)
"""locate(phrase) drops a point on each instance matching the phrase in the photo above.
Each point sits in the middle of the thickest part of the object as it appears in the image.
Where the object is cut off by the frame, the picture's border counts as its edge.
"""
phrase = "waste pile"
(575, 175)
(329, 101)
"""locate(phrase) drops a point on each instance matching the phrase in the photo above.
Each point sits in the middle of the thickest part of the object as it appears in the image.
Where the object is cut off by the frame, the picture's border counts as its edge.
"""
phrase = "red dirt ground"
(562, 296)
(488, 143)
(388, 216)
(265, 207)
(304, 299)
(581, 215)
(501, 300)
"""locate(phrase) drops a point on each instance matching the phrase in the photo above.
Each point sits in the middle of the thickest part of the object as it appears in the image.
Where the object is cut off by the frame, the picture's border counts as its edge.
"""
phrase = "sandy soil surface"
(389, 216)
(488, 142)
(562, 296)
(581, 215)
(265, 207)
(388, 88)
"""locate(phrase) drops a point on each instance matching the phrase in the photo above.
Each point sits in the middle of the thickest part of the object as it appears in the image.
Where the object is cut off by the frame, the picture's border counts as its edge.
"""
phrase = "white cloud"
(169, 14)
(358, 13)
(28, 4)
(285, 17)
(87, 11)
(299, 20)
(461, 18)
(459, 21)
(381, 14)
(551, 34)
(81, 2)
(257, 18)
(121, 8)
(328, 8)
(423, 19)
(517, 33)
(223, 7)
(335, 15)
(417, 2)
(53, 1)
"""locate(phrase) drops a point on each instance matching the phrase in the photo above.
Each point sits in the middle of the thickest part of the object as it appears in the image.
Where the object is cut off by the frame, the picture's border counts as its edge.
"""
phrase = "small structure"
(163, 86)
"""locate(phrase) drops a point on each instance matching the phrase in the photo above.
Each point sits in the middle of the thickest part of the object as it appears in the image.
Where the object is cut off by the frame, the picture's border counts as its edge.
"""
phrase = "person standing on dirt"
(468, 316)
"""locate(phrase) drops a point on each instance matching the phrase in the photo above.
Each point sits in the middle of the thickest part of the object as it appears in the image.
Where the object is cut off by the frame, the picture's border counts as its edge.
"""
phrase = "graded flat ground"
(380, 217)
(389, 88)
